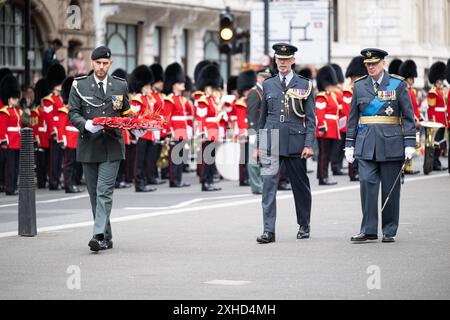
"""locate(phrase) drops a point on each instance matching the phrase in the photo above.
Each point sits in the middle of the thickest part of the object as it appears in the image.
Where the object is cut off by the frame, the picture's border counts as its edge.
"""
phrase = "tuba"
(163, 161)
(431, 129)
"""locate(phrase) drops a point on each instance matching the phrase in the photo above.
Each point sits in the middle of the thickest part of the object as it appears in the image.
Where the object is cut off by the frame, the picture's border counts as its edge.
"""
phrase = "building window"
(157, 45)
(12, 41)
(211, 49)
(183, 47)
(121, 38)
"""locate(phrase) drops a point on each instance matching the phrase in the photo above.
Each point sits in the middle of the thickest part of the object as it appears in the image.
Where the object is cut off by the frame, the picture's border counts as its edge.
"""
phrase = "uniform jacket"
(51, 105)
(417, 115)
(206, 116)
(436, 106)
(381, 142)
(146, 104)
(327, 112)
(254, 100)
(241, 125)
(345, 111)
(10, 125)
(66, 132)
(295, 133)
(178, 112)
(86, 102)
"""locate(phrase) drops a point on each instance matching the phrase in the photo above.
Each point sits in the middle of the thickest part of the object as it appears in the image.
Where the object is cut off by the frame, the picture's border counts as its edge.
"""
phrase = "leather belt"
(380, 120)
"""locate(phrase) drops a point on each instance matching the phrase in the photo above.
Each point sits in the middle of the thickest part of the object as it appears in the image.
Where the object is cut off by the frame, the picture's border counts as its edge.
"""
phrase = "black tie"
(283, 83)
(102, 90)
(375, 86)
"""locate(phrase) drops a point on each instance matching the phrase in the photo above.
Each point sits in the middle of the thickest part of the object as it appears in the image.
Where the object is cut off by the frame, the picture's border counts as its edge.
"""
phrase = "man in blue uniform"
(287, 128)
(381, 135)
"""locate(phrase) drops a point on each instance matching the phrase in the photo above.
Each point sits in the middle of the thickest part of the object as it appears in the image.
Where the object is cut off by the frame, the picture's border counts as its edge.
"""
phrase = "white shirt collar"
(379, 80)
(289, 77)
(105, 82)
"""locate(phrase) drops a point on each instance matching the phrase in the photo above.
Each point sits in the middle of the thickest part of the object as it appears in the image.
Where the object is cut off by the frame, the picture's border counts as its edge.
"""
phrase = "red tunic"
(205, 113)
(144, 105)
(345, 111)
(177, 112)
(417, 115)
(10, 125)
(436, 107)
(240, 108)
(51, 105)
(66, 132)
(327, 112)
(339, 94)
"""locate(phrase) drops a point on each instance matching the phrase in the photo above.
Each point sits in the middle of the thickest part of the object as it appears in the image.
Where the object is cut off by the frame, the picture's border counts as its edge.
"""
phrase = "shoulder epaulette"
(169, 97)
(118, 78)
(348, 89)
(198, 92)
(396, 76)
(363, 77)
(203, 99)
(271, 77)
(241, 102)
(64, 109)
(137, 97)
(80, 78)
(322, 94)
(5, 110)
(48, 98)
(35, 110)
(433, 91)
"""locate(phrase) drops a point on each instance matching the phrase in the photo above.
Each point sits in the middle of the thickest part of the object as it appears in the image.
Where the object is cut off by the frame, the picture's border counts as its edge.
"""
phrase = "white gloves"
(91, 127)
(349, 154)
(139, 133)
(409, 152)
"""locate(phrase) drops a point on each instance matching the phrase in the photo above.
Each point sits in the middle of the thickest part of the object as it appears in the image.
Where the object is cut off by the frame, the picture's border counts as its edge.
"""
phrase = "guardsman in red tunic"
(437, 111)
(448, 109)
(67, 137)
(245, 82)
(51, 104)
(10, 125)
(327, 112)
(3, 72)
(408, 70)
(355, 70)
(337, 156)
(206, 110)
(176, 111)
(142, 104)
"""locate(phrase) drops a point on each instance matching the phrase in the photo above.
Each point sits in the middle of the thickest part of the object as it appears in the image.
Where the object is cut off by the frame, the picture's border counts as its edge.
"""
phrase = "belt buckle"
(282, 118)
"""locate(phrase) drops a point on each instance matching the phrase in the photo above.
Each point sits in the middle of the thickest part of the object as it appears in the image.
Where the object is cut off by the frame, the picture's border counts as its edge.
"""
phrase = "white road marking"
(229, 282)
(48, 201)
(140, 216)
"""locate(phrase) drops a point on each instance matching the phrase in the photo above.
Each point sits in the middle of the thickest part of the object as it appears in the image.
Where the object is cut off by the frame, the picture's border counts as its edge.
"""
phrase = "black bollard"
(27, 196)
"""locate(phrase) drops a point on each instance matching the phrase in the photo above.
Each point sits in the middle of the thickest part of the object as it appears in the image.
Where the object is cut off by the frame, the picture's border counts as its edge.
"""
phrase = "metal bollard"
(27, 196)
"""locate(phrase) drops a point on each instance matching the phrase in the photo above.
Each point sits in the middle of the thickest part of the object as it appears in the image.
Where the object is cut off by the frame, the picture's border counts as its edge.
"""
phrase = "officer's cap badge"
(369, 54)
(283, 48)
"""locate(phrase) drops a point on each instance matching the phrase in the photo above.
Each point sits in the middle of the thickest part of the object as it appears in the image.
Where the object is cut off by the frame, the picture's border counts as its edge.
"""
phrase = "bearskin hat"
(158, 72)
(120, 73)
(188, 86)
(55, 75)
(140, 77)
(209, 77)
(40, 91)
(394, 66)
(199, 68)
(4, 72)
(448, 72)
(339, 74)
(232, 84)
(246, 81)
(356, 68)
(326, 76)
(306, 73)
(408, 69)
(174, 73)
(437, 72)
(65, 90)
(9, 88)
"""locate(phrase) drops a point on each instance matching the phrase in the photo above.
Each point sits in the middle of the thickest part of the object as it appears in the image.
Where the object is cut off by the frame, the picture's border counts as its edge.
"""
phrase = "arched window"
(121, 39)
(211, 52)
(12, 41)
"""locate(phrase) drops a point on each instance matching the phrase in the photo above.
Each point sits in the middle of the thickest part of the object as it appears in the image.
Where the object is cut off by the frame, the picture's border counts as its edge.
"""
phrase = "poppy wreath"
(147, 122)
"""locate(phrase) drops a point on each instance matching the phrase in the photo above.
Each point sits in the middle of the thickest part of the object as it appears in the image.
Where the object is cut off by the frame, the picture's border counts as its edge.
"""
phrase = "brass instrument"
(431, 129)
(163, 160)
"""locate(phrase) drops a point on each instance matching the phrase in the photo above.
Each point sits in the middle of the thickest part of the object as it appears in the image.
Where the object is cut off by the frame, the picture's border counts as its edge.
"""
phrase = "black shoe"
(303, 232)
(257, 192)
(156, 181)
(146, 188)
(339, 173)
(122, 185)
(13, 193)
(74, 189)
(327, 182)
(355, 178)
(412, 172)
(266, 237)
(182, 184)
(3, 189)
(97, 245)
(309, 171)
(284, 186)
(53, 188)
(107, 244)
(387, 238)
(244, 183)
(363, 237)
(210, 187)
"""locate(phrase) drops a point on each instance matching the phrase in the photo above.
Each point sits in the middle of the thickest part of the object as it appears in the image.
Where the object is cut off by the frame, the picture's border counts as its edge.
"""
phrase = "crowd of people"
(198, 114)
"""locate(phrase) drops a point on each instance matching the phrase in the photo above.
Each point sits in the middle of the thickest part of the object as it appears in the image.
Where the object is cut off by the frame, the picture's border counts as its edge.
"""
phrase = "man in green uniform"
(100, 149)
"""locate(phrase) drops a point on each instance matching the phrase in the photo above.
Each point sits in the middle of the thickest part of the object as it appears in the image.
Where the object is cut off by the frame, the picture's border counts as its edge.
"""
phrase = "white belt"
(233, 118)
(42, 129)
(211, 120)
(189, 117)
(179, 118)
(55, 118)
(331, 116)
(70, 128)
(13, 129)
(440, 109)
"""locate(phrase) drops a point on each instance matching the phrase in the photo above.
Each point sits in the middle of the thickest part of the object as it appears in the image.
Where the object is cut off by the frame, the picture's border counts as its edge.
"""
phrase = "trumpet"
(431, 129)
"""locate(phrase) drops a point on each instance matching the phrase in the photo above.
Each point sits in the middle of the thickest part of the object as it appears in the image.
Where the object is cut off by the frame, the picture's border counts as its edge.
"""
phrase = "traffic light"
(226, 32)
